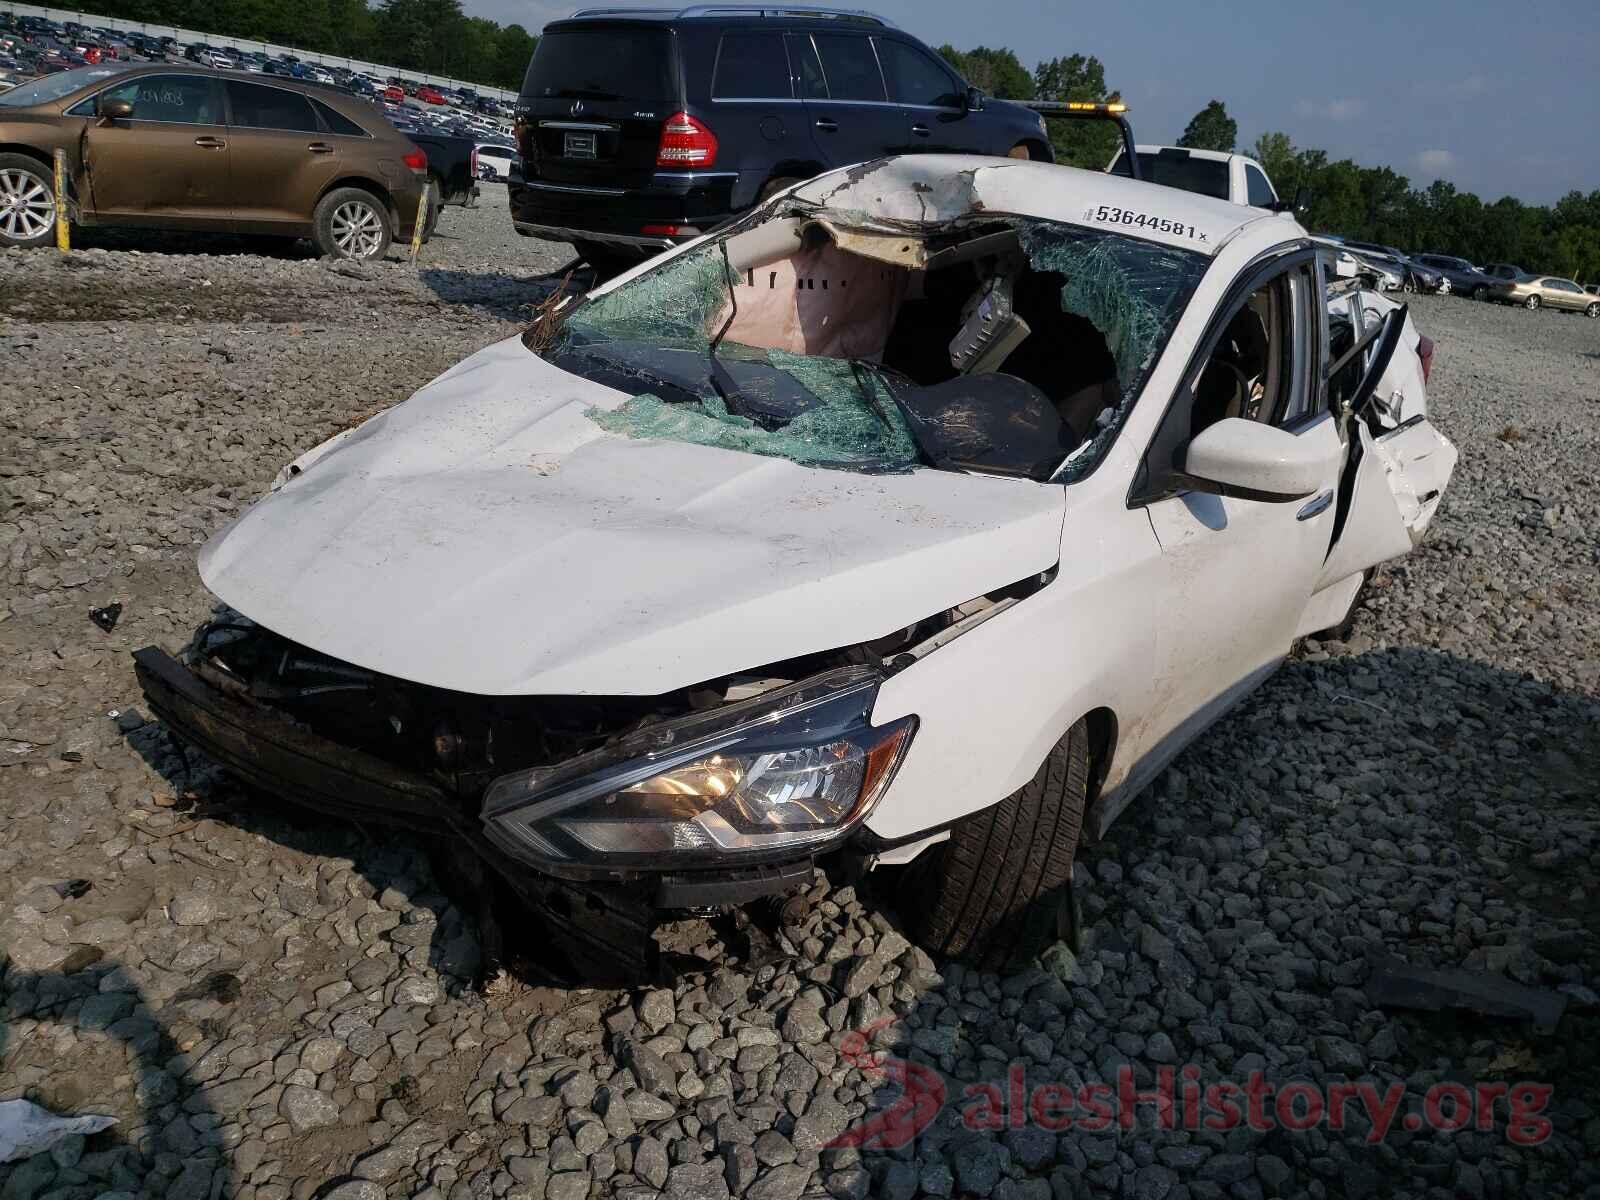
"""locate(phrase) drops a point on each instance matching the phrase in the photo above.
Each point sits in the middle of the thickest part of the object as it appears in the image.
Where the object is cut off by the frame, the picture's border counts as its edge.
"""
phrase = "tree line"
(1371, 204)
(433, 37)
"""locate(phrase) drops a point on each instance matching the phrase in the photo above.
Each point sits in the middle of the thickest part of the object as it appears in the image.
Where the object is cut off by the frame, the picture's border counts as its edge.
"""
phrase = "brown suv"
(166, 147)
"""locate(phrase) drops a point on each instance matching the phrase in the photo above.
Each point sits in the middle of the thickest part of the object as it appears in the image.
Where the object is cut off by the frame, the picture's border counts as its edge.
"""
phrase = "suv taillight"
(1425, 353)
(417, 160)
(686, 142)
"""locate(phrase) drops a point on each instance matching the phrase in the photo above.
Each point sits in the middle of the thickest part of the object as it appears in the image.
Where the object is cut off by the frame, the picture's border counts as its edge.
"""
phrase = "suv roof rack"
(748, 10)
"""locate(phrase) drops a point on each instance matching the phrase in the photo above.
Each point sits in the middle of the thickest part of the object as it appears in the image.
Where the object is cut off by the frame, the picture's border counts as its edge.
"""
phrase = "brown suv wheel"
(352, 223)
(27, 201)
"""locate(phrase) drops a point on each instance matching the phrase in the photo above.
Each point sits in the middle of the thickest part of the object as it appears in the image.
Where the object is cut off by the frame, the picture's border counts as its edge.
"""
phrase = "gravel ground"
(279, 1006)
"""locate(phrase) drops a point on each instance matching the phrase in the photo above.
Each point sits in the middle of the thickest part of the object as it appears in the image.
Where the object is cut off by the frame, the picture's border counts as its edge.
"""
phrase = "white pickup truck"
(1232, 177)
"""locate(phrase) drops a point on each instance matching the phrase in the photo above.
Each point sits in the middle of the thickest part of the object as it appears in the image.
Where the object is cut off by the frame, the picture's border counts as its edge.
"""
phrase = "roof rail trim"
(819, 12)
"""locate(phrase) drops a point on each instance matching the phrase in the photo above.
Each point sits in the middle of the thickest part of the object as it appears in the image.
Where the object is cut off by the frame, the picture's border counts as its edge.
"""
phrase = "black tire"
(364, 230)
(22, 206)
(1480, 292)
(993, 894)
(1531, 303)
(1592, 311)
(607, 261)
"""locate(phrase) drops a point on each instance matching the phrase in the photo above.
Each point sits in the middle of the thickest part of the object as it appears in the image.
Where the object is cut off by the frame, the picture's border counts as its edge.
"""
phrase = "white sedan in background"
(914, 520)
(497, 158)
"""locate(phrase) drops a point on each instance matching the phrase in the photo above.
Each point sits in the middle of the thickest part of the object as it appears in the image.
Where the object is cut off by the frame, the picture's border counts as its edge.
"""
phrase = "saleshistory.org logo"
(1178, 1100)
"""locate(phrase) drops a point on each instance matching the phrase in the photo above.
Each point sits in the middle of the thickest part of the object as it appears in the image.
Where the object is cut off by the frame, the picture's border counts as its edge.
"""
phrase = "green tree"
(1277, 156)
(514, 48)
(998, 72)
(1078, 143)
(1211, 129)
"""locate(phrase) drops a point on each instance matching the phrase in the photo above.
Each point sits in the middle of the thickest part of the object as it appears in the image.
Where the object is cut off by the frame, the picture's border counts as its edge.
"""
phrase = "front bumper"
(602, 926)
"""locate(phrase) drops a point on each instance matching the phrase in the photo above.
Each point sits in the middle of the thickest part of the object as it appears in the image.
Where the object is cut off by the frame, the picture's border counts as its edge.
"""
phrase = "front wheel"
(27, 201)
(1531, 303)
(352, 223)
(1480, 292)
(993, 892)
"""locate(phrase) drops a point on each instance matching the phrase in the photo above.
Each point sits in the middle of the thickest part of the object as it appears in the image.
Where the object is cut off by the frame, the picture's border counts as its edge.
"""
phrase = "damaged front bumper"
(600, 922)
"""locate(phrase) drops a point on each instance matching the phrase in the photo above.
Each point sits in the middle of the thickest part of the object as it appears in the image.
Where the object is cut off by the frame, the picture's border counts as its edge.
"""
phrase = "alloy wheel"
(1592, 311)
(27, 209)
(1531, 302)
(357, 229)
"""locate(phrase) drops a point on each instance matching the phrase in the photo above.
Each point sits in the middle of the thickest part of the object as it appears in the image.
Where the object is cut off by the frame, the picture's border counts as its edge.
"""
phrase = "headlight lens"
(791, 769)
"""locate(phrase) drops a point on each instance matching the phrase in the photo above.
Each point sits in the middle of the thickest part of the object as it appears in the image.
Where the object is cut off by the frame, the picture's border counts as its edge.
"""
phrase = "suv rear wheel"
(992, 893)
(27, 201)
(352, 223)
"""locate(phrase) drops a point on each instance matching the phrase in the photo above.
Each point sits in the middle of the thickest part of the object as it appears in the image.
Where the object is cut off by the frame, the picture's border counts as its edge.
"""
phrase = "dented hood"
(486, 536)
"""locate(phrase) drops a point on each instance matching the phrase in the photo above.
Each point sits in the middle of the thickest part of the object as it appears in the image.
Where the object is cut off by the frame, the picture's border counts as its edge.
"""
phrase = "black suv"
(641, 128)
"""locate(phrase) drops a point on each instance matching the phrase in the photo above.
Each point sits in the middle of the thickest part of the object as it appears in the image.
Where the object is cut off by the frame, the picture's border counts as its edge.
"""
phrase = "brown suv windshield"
(53, 87)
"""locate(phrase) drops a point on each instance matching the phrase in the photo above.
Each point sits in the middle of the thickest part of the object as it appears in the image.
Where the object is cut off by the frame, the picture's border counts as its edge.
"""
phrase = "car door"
(166, 165)
(1399, 464)
(1240, 571)
(933, 101)
(1569, 295)
(756, 111)
(283, 157)
(846, 104)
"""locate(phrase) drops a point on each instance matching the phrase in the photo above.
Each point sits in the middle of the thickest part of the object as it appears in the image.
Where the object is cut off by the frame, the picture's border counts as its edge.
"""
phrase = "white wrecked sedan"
(914, 520)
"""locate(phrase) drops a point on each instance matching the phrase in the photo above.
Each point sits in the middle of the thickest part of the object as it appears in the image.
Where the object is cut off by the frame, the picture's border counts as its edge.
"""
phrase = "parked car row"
(1393, 270)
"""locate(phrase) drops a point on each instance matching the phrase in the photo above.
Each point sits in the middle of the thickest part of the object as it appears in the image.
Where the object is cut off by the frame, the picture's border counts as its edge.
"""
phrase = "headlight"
(789, 770)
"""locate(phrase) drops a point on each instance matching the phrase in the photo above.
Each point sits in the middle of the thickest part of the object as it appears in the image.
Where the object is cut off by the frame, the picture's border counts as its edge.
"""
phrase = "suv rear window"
(1207, 176)
(602, 64)
(751, 66)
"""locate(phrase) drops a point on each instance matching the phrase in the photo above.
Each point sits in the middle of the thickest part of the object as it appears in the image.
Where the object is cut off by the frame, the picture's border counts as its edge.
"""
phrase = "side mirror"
(1240, 457)
(114, 110)
(974, 99)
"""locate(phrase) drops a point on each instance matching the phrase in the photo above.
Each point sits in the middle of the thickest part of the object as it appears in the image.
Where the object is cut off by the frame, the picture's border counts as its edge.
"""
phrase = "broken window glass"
(833, 350)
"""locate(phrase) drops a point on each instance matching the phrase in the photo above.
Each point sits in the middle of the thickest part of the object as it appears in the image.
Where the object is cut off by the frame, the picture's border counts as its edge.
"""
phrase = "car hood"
(486, 536)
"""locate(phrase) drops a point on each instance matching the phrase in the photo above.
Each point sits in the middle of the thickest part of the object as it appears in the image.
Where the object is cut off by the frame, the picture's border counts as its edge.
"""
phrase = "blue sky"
(1496, 97)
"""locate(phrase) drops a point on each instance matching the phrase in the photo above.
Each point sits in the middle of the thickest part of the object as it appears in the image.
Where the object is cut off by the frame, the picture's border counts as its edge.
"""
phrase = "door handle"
(827, 126)
(920, 130)
(320, 148)
(210, 143)
(1314, 506)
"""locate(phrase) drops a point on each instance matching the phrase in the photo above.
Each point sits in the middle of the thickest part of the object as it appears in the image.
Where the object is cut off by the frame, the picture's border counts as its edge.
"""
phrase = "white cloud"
(1330, 110)
(1435, 161)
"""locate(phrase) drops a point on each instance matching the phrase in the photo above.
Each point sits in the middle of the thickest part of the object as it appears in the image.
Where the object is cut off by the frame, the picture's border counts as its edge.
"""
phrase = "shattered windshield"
(815, 337)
